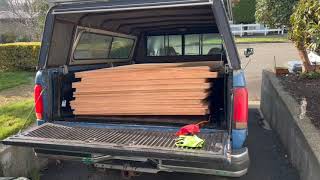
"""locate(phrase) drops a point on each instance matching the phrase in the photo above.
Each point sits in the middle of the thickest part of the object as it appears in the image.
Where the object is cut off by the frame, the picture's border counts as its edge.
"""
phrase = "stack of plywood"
(154, 89)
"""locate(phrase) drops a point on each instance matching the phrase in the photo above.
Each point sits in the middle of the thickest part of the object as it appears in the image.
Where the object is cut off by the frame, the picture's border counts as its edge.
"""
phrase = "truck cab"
(83, 36)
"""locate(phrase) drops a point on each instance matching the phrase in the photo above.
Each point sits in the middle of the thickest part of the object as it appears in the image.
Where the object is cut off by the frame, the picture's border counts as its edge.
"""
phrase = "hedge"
(19, 56)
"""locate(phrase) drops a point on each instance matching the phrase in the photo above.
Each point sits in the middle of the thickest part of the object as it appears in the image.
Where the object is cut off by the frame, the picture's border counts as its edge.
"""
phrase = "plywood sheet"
(154, 89)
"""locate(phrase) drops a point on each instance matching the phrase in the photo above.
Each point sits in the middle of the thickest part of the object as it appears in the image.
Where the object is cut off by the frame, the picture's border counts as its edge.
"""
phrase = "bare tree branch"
(27, 12)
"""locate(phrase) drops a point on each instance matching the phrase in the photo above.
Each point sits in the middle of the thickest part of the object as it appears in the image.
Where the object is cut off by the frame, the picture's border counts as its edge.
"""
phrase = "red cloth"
(190, 129)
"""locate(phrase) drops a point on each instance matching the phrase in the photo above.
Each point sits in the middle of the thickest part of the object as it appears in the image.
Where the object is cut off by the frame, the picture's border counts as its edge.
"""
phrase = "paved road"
(263, 58)
(268, 162)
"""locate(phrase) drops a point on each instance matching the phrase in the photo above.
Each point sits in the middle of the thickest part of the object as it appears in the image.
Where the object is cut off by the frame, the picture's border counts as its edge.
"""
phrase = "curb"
(19, 162)
(299, 136)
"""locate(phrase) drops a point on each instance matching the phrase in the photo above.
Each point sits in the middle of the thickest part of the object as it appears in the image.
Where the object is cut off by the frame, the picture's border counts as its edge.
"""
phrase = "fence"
(250, 29)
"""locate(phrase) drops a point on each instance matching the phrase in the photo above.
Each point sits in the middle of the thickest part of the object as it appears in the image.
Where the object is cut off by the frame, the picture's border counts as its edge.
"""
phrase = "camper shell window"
(101, 46)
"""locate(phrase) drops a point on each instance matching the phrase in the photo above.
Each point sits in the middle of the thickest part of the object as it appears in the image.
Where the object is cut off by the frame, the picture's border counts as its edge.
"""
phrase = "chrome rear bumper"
(237, 168)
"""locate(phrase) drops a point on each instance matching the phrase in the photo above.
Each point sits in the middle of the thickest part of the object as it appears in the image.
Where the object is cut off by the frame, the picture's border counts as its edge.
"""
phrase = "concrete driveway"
(268, 162)
(263, 58)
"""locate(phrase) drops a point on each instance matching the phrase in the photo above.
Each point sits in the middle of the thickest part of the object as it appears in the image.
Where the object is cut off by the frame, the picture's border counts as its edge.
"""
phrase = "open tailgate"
(121, 141)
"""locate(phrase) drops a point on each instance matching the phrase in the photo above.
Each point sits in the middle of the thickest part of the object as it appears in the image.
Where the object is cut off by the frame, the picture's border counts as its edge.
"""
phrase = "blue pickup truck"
(150, 31)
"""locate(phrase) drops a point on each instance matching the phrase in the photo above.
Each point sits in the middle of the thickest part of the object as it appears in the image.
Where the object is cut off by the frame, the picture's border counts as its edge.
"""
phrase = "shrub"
(243, 12)
(305, 21)
(8, 38)
(311, 75)
(23, 39)
(274, 13)
(305, 30)
(19, 56)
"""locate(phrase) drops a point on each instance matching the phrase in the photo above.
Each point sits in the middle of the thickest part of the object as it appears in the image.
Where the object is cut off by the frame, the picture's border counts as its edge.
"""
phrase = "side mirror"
(248, 52)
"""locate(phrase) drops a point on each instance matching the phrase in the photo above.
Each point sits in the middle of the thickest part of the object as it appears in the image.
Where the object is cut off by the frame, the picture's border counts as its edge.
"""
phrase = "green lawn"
(14, 117)
(13, 79)
(262, 39)
(254, 39)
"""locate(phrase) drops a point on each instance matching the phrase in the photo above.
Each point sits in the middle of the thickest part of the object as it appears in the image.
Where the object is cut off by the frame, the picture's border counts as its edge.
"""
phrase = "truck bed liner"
(138, 142)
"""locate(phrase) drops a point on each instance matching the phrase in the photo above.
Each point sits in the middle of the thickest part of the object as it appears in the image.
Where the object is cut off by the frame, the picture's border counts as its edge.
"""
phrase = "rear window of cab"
(185, 45)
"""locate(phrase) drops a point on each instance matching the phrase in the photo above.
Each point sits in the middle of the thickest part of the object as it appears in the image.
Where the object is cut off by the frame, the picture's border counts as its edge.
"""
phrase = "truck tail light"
(38, 101)
(240, 106)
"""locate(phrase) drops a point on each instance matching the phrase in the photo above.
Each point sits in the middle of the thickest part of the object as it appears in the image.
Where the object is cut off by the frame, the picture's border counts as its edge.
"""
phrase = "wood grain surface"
(144, 89)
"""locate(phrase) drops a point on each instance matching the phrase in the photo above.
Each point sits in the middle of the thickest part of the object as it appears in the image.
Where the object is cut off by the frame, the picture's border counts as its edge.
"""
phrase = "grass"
(254, 39)
(262, 39)
(34, 174)
(14, 117)
(13, 79)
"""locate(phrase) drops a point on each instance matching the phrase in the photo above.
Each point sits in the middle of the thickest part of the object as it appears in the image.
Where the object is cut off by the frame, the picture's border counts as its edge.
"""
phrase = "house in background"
(11, 27)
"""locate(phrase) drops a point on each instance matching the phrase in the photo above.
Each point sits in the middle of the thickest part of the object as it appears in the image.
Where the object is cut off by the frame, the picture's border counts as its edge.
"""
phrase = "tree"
(31, 14)
(305, 30)
(42, 7)
(244, 11)
(274, 13)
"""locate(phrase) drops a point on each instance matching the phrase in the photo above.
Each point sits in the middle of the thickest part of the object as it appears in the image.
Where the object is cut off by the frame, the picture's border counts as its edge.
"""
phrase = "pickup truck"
(81, 36)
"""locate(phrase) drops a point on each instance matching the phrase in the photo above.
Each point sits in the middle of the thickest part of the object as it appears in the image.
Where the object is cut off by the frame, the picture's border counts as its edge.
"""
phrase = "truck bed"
(151, 142)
